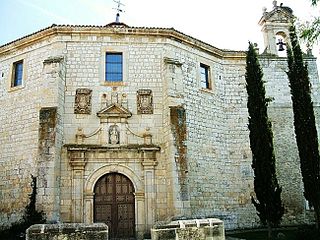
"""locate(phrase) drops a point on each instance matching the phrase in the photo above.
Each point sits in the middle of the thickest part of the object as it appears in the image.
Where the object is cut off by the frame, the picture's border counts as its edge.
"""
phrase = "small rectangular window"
(205, 76)
(17, 74)
(114, 67)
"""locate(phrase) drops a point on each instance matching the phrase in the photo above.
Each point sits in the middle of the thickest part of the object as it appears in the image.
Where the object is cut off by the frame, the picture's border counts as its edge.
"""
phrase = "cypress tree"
(304, 123)
(268, 192)
(31, 214)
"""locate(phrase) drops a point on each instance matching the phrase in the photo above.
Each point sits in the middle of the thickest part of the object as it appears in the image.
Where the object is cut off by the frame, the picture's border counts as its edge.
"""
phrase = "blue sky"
(228, 24)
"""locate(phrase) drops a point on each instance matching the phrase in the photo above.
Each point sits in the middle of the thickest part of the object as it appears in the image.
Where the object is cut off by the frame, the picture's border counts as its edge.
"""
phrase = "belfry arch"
(275, 27)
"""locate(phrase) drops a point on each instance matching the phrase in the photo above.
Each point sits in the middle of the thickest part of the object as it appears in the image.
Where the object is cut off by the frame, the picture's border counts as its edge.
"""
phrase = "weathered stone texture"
(188, 157)
(96, 231)
(198, 229)
(19, 119)
(281, 115)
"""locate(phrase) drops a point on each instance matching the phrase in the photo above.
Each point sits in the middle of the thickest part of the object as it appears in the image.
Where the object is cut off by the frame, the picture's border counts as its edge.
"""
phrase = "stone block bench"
(68, 231)
(195, 229)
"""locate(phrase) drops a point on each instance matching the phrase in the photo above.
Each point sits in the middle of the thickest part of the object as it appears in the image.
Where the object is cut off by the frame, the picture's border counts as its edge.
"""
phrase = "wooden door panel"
(114, 205)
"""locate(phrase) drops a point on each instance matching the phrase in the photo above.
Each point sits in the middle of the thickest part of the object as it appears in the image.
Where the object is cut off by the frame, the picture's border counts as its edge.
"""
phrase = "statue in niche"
(82, 103)
(114, 135)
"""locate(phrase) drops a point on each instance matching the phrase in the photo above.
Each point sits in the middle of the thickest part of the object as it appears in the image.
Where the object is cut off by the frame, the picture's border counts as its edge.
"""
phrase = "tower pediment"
(279, 14)
(114, 111)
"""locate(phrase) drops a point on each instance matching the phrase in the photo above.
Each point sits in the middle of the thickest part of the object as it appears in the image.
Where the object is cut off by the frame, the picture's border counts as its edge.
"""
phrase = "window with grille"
(114, 69)
(17, 74)
(205, 76)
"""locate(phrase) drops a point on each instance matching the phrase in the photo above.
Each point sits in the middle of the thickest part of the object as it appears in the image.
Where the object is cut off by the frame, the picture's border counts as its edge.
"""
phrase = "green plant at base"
(31, 216)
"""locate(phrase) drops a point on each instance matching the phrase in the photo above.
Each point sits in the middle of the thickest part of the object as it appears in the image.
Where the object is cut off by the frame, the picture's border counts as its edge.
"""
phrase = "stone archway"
(89, 165)
(114, 204)
(139, 194)
(111, 168)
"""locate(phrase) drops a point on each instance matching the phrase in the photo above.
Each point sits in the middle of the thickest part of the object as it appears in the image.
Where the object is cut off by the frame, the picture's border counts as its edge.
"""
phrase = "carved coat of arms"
(82, 103)
(144, 101)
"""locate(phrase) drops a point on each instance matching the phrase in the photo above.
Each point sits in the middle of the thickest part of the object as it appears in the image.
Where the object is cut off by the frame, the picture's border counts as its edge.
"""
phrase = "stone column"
(88, 208)
(149, 162)
(77, 162)
(140, 214)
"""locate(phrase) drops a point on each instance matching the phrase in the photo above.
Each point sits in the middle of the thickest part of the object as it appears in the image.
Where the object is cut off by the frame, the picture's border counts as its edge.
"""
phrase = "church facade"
(132, 126)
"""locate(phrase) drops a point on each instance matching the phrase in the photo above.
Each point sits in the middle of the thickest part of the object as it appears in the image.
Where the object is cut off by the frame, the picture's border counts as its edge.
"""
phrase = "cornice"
(170, 33)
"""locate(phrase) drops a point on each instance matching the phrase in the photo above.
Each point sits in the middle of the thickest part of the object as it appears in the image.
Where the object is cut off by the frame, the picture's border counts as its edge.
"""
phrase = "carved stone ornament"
(82, 103)
(144, 101)
(114, 134)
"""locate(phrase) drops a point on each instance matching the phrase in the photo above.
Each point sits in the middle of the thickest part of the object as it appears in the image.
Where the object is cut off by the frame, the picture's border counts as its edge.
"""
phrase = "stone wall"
(218, 172)
(281, 115)
(97, 231)
(19, 128)
(200, 170)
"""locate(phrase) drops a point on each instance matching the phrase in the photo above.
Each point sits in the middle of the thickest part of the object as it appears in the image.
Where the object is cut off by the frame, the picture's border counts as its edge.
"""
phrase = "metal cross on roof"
(118, 8)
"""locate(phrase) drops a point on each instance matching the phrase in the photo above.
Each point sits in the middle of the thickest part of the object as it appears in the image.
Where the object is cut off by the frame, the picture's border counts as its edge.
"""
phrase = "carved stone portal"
(144, 101)
(82, 103)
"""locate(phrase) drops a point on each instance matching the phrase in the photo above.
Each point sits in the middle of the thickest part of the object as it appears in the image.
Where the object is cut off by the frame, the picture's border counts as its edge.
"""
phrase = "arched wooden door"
(114, 205)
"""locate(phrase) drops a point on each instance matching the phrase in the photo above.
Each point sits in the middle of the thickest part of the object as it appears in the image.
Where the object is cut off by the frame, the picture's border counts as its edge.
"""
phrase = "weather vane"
(118, 9)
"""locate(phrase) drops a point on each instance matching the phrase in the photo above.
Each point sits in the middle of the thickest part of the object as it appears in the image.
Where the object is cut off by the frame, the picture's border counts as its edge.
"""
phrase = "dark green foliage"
(304, 123)
(31, 216)
(310, 30)
(268, 193)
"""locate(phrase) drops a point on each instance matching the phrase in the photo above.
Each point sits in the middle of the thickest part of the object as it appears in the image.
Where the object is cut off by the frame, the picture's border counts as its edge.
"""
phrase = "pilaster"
(78, 162)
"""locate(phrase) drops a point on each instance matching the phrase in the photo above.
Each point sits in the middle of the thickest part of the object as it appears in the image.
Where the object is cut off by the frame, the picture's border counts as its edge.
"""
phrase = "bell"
(281, 48)
(281, 44)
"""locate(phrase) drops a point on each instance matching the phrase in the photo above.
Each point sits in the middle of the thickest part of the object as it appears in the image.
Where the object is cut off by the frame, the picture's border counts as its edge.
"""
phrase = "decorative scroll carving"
(80, 136)
(114, 135)
(144, 101)
(82, 103)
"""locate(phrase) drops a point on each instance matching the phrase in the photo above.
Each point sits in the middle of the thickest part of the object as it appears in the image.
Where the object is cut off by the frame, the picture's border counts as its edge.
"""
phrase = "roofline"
(121, 28)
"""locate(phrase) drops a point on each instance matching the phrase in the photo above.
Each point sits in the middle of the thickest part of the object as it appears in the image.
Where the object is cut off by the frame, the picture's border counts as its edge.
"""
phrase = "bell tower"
(275, 27)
